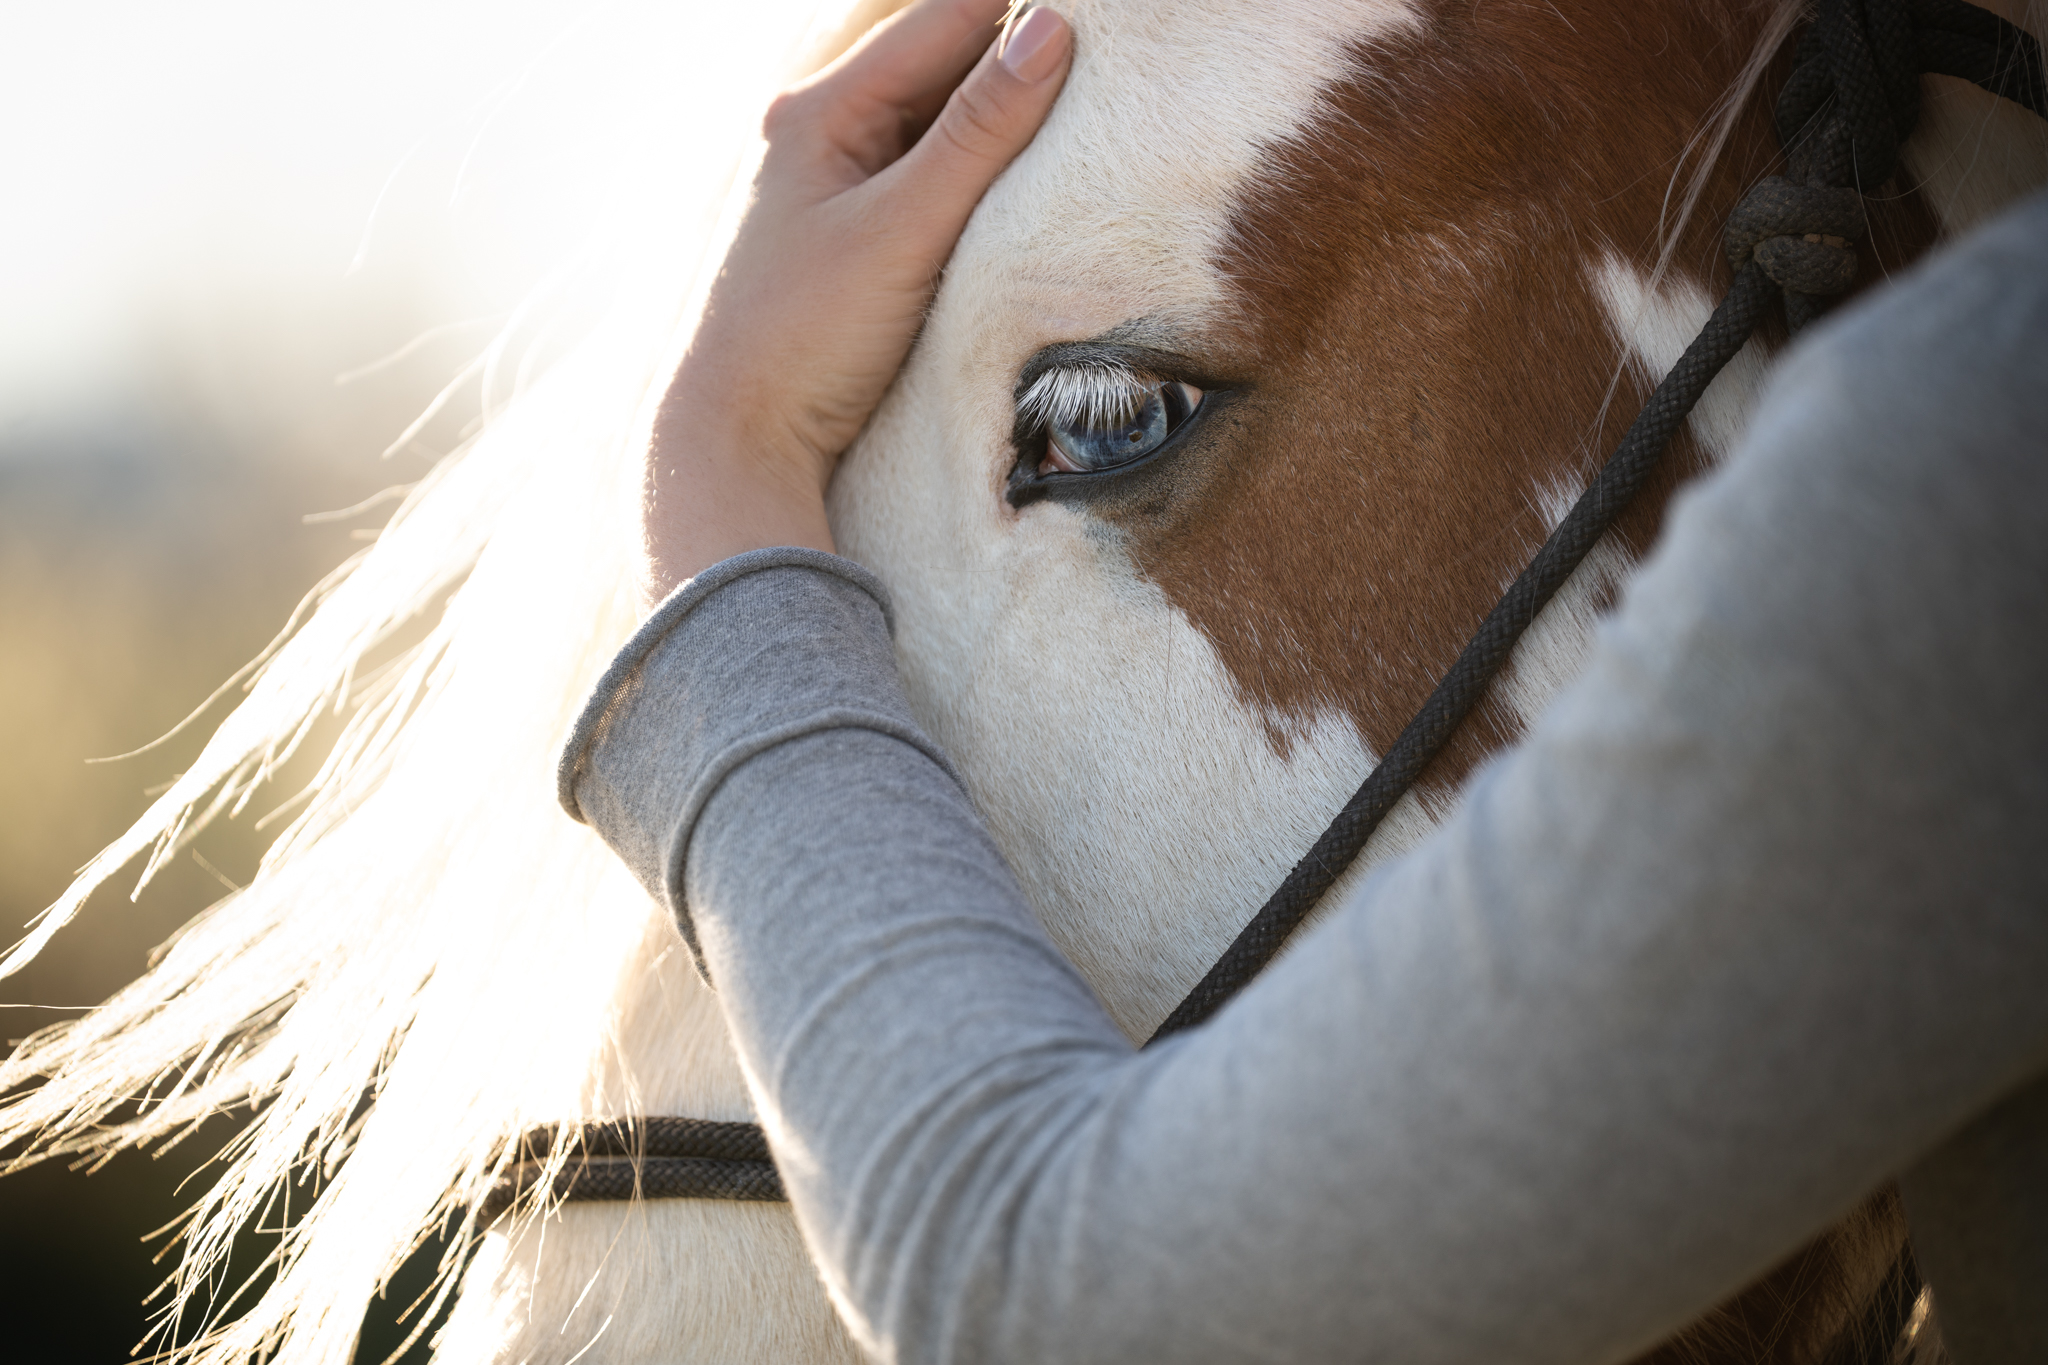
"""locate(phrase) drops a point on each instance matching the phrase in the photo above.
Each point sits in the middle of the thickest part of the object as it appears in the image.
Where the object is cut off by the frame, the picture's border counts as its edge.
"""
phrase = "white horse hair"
(433, 959)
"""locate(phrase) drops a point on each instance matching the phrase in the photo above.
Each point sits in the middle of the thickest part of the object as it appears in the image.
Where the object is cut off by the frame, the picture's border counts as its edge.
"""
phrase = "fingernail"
(1029, 53)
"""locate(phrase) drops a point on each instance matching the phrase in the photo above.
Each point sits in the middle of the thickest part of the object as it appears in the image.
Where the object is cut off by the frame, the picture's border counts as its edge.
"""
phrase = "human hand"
(872, 169)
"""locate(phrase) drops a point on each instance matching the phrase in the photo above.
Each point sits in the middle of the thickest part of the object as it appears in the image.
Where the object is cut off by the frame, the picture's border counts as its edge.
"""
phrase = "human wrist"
(713, 494)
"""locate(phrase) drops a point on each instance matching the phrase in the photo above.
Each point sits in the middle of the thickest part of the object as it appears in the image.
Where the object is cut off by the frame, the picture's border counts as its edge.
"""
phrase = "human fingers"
(913, 59)
(859, 114)
(991, 116)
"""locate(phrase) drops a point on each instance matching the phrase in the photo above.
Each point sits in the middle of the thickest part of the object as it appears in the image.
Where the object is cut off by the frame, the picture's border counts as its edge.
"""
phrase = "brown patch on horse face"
(1418, 345)
(1418, 349)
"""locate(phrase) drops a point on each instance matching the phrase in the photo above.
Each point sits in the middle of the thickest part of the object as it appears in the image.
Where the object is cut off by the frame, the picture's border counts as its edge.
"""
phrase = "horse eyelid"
(1087, 395)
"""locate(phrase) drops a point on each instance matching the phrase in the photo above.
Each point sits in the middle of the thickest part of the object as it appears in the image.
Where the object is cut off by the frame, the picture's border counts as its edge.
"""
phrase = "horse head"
(1381, 269)
(1252, 383)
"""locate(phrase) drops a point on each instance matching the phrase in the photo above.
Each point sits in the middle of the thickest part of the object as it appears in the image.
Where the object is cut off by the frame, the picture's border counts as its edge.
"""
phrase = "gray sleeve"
(1751, 921)
(799, 647)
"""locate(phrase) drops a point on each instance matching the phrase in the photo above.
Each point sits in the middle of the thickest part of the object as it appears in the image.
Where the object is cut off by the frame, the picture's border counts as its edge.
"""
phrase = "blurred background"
(246, 246)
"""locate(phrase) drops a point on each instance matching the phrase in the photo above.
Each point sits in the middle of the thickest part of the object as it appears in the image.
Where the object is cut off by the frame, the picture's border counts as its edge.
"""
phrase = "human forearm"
(1749, 924)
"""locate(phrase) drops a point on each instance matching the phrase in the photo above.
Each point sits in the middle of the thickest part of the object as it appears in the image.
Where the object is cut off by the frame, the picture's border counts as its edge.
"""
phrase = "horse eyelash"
(1084, 396)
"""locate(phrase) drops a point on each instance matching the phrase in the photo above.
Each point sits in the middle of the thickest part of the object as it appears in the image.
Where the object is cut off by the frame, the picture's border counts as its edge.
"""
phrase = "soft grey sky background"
(165, 163)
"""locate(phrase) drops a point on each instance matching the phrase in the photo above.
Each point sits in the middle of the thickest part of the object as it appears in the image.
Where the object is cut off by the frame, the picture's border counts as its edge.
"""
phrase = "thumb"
(990, 118)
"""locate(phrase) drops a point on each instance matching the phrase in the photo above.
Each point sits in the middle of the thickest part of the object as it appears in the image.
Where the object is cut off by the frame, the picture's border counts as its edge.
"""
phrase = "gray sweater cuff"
(756, 651)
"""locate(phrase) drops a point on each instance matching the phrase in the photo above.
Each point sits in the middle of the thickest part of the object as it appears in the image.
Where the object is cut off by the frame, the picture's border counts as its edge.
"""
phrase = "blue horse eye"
(1089, 448)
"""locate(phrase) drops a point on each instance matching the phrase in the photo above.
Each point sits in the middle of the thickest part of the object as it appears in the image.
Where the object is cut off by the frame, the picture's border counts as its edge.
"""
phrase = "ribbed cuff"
(754, 652)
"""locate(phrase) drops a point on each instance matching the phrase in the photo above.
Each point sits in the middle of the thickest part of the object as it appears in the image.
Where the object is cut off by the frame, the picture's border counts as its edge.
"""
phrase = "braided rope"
(653, 1158)
(1975, 45)
(657, 1137)
(1425, 736)
(1852, 98)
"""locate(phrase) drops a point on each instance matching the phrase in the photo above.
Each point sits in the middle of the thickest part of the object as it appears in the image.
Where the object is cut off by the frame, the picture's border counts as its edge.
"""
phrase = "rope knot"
(1799, 235)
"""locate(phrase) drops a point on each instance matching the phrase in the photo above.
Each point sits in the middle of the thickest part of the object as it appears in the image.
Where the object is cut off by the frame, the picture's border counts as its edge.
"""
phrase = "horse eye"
(1090, 447)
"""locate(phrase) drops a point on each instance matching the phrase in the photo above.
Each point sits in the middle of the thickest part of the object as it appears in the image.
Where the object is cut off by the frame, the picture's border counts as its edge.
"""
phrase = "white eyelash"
(1094, 395)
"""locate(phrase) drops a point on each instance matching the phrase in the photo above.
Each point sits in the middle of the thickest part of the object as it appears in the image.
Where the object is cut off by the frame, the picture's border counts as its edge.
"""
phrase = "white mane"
(430, 933)
(429, 959)
(405, 903)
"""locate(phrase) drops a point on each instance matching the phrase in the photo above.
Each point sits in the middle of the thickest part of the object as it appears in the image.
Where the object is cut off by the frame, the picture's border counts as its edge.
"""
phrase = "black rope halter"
(1853, 97)
(652, 1158)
